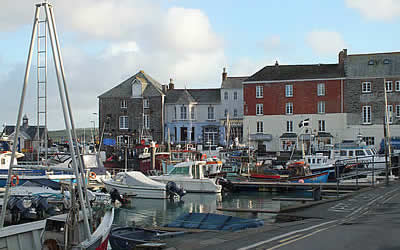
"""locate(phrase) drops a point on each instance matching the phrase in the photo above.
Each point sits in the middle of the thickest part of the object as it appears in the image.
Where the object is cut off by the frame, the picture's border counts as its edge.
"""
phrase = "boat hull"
(137, 191)
(191, 185)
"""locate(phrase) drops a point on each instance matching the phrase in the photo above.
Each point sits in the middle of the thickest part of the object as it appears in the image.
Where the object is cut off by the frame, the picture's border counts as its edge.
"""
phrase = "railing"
(370, 163)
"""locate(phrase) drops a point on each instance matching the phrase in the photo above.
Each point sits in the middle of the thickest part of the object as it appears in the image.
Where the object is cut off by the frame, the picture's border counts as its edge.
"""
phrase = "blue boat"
(210, 221)
(299, 171)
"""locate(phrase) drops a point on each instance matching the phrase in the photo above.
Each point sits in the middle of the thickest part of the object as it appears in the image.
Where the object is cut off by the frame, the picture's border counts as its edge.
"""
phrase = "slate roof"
(293, 72)
(199, 95)
(150, 87)
(233, 82)
(30, 131)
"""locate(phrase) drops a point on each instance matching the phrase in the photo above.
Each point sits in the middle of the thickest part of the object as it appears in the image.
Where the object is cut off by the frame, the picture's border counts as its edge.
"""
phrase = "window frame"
(366, 119)
(366, 87)
(397, 110)
(321, 107)
(289, 90)
(226, 95)
(289, 108)
(259, 91)
(235, 95)
(397, 86)
(321, 89)
(210, 113)
(390, 113)
(124, 104)
(183, 113)
(192, 113)
(260, 127)
(259, 109)
(321, 126)
(289, 126)
(226, 113)
(146, 121)
(146, 103)
(123, 120)
(389, 83)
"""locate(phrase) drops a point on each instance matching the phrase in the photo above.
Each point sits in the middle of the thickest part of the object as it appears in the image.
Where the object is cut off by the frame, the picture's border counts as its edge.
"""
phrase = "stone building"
(133, 110)
(232, 105)
(367, 77)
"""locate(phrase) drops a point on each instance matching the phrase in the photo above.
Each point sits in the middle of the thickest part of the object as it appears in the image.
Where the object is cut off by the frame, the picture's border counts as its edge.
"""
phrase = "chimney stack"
(25, 123)
(276, 63)
(171, 84)
(224, 75)
(342, 56)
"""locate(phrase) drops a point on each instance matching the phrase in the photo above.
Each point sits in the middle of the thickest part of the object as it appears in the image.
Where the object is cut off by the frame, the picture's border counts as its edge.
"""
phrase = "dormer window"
(386, 61)
(136, 89)
(371, 62)
(124, 104)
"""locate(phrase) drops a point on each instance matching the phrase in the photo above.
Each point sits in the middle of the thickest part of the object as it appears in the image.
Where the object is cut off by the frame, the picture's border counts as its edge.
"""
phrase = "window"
(371, 62)
(226, 95)
(235, 96)
(366, 87)
(397, 86)
(259, 109)
(366, 114)
(226, 113)
(389, 86)
(146, 121)
(289, 90)
(321, 107)
(183, 112)
(369, 140)
(289, 108)
(321, 89)
(259, 91)
(124, 104)
(397, 110)
(386, 61)
(123, 122)
(146, 103)
(210, 113)
(321, 125)
(390, 113)
(175, 116)
(260, 127)
(192, 113)
(235, 113)
(289, 126)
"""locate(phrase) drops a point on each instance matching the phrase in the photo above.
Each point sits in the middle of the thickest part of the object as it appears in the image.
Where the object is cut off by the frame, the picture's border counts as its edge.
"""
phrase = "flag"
(304, 123)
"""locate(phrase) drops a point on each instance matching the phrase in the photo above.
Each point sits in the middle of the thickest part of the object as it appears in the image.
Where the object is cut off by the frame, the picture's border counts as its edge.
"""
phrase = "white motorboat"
(190, 176)
(135, 183)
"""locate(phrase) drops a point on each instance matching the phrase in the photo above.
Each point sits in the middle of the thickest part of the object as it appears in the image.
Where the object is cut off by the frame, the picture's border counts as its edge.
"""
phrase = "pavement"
(368, 219)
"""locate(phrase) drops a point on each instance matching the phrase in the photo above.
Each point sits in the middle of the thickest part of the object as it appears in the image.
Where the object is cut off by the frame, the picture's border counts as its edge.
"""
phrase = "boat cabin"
(299, 168)
(193, 169)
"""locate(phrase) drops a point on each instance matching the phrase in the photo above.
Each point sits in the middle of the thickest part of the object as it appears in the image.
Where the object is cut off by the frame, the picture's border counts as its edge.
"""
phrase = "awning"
(260, 137)
(288, 135)
(324, 134)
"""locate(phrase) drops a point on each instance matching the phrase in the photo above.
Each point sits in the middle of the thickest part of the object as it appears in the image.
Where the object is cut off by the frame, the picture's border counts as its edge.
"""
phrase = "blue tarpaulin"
(109, 142)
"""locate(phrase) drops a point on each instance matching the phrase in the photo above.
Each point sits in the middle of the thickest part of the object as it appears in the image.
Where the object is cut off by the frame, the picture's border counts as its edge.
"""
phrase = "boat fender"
(16, 180)
(204, 157)
(92, 175)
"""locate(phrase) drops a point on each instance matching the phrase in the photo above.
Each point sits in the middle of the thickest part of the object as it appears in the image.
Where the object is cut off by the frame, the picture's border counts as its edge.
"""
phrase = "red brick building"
(277, 98)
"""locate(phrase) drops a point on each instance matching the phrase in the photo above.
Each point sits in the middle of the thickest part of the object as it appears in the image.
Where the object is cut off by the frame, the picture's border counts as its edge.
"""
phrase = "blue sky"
(104, 42)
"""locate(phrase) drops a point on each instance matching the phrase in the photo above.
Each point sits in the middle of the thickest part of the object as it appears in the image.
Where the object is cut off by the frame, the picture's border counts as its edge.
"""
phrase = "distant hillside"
(81, 133)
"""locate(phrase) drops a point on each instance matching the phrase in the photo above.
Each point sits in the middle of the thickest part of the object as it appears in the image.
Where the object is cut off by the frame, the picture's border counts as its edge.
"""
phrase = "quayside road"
(369, 219)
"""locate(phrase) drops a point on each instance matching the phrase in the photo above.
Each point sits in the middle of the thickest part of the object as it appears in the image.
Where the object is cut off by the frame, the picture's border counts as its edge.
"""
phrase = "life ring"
(16, 182)
(92, 175)
(203, 157)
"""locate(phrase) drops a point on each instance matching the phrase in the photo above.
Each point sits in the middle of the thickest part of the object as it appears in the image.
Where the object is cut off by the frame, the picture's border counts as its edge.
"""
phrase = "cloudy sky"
(106, 41)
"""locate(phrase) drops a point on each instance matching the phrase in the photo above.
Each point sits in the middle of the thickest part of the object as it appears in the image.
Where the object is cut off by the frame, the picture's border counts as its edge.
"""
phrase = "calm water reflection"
(152, 212)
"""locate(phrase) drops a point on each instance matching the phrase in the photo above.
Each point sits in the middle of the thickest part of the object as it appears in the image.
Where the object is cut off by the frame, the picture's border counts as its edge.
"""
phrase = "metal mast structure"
(77, 164)
(41, 72)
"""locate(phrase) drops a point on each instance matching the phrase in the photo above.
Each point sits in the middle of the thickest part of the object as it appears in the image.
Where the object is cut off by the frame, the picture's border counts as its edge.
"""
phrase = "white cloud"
(377, 10)
(325, 42)
(135, 35)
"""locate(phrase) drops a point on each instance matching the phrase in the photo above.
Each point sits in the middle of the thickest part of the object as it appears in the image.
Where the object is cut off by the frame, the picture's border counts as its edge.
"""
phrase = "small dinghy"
(122, 238)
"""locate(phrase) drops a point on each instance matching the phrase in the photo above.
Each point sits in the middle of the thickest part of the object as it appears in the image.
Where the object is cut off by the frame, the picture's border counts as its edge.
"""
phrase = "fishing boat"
(190, 176)
(299, 171)
(135, 183)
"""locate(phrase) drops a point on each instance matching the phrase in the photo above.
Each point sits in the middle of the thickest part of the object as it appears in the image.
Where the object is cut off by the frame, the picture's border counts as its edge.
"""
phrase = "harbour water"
(157, 212)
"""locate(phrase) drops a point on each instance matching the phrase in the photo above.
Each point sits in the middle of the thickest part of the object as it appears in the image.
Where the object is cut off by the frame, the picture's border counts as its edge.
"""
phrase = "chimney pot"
(171, 84)
(224, 74)
(276, 63)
